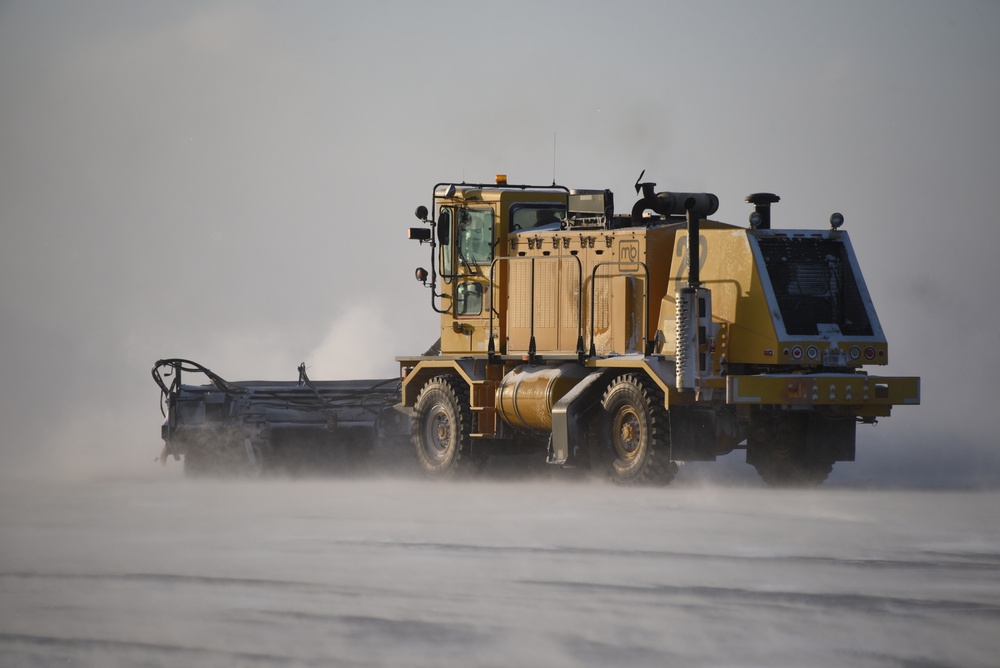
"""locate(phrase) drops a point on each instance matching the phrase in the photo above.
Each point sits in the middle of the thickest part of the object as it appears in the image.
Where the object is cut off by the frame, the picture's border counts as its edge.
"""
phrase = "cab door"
(465, 328)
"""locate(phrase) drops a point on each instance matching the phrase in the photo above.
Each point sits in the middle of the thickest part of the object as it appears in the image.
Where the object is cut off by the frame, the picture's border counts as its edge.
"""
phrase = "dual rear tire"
(780, 447)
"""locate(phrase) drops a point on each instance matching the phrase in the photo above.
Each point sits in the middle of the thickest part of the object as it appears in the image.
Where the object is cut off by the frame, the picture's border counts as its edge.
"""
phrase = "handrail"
(645, 318)
(491, 350)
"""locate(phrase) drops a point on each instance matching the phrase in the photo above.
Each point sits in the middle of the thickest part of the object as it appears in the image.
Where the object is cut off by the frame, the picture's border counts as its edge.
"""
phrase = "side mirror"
(444, 228)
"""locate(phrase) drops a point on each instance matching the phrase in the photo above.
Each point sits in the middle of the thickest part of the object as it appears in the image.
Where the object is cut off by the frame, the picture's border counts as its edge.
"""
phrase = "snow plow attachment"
(248, 427)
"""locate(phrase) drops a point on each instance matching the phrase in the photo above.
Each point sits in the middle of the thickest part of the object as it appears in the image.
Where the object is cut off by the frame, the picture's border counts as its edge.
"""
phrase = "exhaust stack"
(760, 219)
(694, 303)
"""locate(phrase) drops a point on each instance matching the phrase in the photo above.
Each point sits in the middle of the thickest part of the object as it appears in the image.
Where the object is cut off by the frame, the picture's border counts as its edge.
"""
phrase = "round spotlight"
(755, 220)
(420, 274)
(836, 220)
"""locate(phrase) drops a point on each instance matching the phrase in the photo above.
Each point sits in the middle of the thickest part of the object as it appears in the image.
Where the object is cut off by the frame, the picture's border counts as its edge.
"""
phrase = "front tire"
(636, 429)
(441, 427)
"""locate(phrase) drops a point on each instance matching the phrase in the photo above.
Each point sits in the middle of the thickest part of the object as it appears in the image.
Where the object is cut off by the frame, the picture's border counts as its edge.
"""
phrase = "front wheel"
(636, 429)
(441, 427)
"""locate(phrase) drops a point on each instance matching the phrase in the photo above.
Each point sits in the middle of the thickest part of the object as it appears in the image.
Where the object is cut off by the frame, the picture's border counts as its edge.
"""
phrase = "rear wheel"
(781, 453)
(636, 429)
(784, 472)
(441, 427)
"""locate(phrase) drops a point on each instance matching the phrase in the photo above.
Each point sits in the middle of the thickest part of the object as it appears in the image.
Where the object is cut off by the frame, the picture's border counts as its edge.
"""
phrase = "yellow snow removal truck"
(620, 343)
(633, 342)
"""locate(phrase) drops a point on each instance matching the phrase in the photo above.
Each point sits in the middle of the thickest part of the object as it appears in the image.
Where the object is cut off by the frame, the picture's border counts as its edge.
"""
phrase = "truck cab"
(474, 227)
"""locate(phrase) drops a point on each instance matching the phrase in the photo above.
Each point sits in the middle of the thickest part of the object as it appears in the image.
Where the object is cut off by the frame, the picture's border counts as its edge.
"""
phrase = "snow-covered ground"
(405, 572)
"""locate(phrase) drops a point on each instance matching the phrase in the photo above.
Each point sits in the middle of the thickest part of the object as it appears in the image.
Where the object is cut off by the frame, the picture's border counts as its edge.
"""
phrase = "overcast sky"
(232, 181)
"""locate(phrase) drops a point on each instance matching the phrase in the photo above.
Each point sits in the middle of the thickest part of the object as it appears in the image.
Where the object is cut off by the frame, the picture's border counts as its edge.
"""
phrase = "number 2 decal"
(682, 252)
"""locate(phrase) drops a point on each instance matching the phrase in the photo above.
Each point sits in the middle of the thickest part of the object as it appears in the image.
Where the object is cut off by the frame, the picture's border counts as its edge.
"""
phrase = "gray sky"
(232, 181)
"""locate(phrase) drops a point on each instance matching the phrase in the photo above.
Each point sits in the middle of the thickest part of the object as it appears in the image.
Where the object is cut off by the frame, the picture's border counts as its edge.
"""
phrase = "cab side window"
(469, 298)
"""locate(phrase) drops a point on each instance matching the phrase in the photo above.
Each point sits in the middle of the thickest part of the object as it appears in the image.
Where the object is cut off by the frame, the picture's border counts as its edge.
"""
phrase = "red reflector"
(768, 352)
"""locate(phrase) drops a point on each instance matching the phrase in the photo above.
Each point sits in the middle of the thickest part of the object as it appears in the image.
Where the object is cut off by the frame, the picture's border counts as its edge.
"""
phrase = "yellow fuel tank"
(526, 395)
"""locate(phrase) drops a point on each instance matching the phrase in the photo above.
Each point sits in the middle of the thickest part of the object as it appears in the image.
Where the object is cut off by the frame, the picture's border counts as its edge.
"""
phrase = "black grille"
(814, 284)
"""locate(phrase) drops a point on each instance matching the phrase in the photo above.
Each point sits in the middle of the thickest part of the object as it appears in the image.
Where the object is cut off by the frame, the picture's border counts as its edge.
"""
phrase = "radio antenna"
(553, 158)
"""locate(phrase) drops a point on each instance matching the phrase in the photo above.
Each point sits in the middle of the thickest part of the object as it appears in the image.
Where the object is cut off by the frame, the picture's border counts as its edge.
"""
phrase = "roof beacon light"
(501, 179)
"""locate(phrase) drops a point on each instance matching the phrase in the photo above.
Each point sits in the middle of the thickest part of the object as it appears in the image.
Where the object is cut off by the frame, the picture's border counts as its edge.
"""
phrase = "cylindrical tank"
(526, 395)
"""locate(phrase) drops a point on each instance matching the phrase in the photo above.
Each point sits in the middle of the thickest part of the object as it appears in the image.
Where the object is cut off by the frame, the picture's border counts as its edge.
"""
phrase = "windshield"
(475, 236)
(534, 217)
(814, 285)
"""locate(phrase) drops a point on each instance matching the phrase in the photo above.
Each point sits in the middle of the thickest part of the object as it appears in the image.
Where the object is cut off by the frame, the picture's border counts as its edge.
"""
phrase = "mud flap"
(813, 436)
(692, 434)
(831, 436)
(568, 422)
